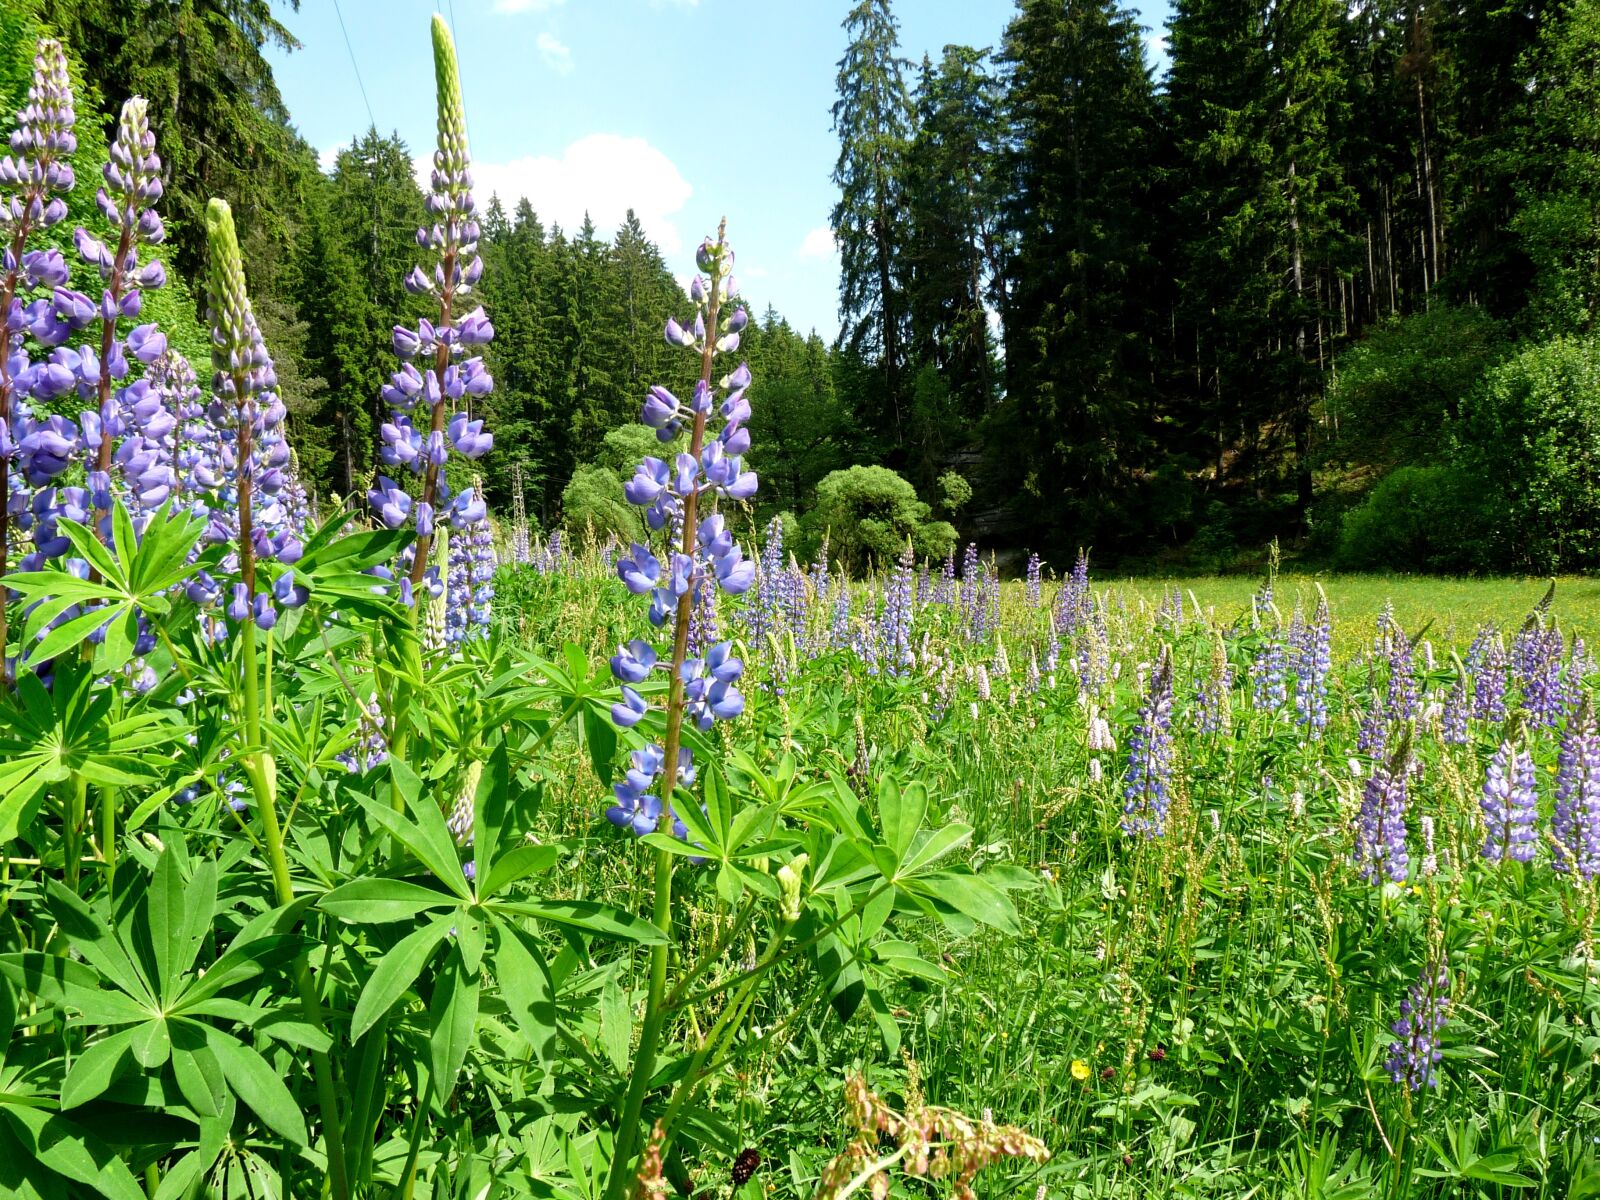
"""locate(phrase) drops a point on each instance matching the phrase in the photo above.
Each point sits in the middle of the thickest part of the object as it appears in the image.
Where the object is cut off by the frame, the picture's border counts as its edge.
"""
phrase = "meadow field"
(382, 849)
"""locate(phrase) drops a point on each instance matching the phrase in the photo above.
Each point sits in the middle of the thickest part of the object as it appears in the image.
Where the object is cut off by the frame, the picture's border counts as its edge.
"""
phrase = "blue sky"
(686, 110)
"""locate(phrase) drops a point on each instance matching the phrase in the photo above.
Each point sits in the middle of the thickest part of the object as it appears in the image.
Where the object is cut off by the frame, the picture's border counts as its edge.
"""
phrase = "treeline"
(1123, 303)
(578, 316)
(1333, 278)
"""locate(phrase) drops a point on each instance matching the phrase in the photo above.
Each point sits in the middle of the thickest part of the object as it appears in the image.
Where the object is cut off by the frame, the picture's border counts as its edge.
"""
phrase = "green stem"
(77, 806)
(644, 1058)
(729, 1020)
(108, 833)
(408, 1177)
(263, 774)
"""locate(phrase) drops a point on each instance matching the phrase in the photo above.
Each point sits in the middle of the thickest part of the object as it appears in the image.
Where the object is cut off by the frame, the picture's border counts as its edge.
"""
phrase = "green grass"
(1228, 988)
(1456, 607)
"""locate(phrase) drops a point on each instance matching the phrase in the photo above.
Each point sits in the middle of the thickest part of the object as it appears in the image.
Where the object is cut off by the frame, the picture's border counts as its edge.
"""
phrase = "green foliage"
(1416, 519)
(1529, 442)
(593, 502)
(1560, 173)
(1395, 392)
(869, 513)
(955, 493)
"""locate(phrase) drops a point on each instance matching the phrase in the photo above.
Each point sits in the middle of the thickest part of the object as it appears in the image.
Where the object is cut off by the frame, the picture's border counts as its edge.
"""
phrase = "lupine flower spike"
(1414, 1055)
(432, 406)
(676, 496)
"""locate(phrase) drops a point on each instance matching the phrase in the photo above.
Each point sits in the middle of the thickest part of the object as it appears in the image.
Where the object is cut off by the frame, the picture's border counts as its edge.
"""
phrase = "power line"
(349, 49)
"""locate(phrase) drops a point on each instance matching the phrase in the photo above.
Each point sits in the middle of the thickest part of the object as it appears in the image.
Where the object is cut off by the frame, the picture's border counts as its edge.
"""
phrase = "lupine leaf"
(258, 1085)
(452, 1017)
(397, 970)
(96, 1068)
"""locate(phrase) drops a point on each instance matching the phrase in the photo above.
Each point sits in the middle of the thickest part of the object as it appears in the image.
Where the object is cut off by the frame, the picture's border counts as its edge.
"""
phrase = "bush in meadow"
(1529, 442)
(869, 513)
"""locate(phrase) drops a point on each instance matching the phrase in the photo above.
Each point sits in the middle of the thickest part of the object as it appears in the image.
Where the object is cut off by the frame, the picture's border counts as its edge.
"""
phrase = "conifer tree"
(873, 118)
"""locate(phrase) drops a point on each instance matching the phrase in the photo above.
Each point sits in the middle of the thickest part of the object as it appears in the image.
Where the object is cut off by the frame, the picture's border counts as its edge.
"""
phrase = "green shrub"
(1529, 441)
(1416, 519)
(869, 512)
(1394, 392)
(593, 500)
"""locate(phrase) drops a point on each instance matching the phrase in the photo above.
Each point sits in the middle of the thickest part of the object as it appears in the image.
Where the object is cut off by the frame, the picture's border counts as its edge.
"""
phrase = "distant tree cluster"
(1197, 312)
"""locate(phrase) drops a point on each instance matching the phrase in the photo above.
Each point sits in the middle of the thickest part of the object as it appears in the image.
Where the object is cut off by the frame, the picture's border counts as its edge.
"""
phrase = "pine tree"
(1068, 439)
(951, 252)
(873, 119)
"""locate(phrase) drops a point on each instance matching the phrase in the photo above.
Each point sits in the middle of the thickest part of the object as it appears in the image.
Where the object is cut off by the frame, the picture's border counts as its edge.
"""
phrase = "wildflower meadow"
(391, 846)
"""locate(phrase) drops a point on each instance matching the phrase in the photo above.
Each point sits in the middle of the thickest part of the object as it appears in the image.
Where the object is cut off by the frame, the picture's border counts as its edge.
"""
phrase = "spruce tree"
(873, 119)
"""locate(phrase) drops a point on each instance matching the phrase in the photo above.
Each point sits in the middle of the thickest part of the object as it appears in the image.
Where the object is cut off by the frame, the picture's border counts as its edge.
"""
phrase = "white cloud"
(522, 6)
(817, 244)
(327, 158)
(557, 54)
(603, 174)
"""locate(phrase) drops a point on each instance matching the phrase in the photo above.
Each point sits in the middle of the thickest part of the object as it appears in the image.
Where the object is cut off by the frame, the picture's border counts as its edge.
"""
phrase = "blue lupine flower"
(1577, 813)
(1414, 1056)
(1510, 805)
(1146, 792)
(1381, 826)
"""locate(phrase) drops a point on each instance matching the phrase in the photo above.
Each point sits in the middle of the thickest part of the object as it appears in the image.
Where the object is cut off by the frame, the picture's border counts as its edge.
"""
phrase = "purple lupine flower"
(1170, 611)
(971, 589)
(451, 375)
(1453, 721)
(945, 591)
(703, 555)
(1510, 805)
(1414, 1056)
(131, 187)
(1380, 849)
(895, 626)
(247, 414)
(1035, 582)
(1310, 660)
(1267, 672)
(763, 613)
(1146, 792)
(1574, 677)
(1577, 814)
(1536, 662)
(34, 176)
(839, 630)
(1072, 601)
(1489, 682)
(1400, 702)
(1261, 603)
(469, 584)
(1214, 691)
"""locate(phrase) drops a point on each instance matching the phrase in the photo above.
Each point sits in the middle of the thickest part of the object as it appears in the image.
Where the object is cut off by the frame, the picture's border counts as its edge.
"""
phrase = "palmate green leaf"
(151, 1044)
(427, 836)
(517, 865)
(451, 1017)
(527, 988)
(970, 895)
(901, 813)
(590, 917)
(179, 914)
(93, 938)
(60, 1145)
(97, 1068)
(397, 970)
(376, 901)
(65, 983)
(257, 1084)
(930, 848)
(200, 1079)
(247, 957)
